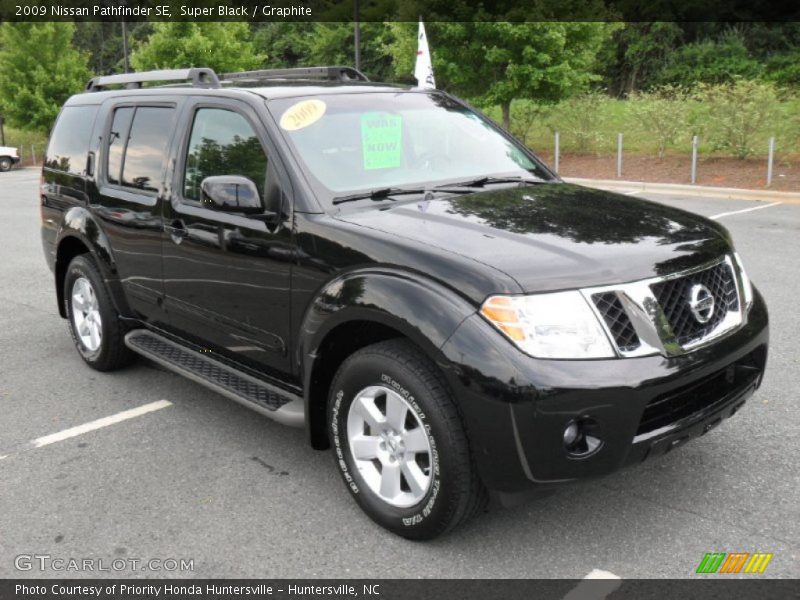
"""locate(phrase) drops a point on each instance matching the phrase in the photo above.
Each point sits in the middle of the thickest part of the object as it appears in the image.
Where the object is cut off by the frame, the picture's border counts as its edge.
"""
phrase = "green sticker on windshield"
(381, 140)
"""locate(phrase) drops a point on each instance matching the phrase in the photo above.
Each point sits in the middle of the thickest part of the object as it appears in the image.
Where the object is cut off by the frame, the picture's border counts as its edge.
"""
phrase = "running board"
(265, 398)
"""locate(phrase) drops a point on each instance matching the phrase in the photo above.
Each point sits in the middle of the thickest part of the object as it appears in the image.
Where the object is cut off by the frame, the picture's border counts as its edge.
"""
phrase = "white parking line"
(99, 423)
(600, 574)
(632, 192)
(594, 590)
(738, 212)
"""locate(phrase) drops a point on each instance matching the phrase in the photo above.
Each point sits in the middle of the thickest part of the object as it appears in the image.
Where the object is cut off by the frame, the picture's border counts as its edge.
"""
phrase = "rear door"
(131, 185)
(227, 274)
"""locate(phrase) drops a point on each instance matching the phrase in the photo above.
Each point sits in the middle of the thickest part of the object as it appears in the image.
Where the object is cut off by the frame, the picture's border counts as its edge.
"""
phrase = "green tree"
(309, 44)
(102, 42)
(39, 70)
(284, 42)
(494, 63)
(223, 47)
(636, 53)
(711, 61)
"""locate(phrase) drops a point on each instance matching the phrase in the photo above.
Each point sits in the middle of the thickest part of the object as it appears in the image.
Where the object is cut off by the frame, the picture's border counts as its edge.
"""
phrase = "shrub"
(581, 119)
(737, 115)
(661, 113)
(526, 116)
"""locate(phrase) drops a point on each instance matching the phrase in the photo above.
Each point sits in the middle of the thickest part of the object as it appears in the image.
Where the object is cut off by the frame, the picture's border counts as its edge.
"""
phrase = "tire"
(5, 163)
(438, 484)
(96, 329)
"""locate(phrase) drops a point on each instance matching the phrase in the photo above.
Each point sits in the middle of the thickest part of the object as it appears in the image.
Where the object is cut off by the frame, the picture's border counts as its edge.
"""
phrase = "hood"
(555, 236)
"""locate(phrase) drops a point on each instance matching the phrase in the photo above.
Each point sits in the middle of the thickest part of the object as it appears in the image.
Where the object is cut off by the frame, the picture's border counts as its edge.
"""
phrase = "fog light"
(581, 438)
(571, 434)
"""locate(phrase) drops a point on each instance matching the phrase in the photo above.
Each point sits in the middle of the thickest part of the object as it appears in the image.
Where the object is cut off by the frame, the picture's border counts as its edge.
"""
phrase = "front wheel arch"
(337, 346)
(367, 306)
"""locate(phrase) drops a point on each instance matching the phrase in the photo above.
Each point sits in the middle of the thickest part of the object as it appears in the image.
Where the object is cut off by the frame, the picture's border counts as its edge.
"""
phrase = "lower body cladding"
(535, 424)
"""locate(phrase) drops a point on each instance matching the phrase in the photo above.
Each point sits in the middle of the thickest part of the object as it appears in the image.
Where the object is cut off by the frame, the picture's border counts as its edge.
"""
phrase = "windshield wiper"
(379, 194)
(386, 193)
(482, 181)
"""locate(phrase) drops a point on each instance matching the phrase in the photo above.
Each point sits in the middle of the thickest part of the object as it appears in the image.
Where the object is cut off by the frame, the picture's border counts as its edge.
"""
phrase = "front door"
(227, 273)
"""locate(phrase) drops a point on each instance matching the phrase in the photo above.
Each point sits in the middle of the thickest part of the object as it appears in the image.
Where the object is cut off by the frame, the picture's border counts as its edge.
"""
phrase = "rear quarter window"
(69, 143)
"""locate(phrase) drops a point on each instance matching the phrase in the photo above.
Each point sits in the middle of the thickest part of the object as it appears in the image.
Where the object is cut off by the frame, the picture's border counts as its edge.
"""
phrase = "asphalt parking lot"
(204, 479)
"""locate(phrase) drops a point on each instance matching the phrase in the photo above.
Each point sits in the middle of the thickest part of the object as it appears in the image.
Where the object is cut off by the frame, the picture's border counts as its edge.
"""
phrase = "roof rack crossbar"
(334, 73)
(200, 77)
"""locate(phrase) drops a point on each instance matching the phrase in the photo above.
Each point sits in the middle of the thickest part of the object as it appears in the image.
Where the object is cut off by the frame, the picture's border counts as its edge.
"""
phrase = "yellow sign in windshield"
(302, 114)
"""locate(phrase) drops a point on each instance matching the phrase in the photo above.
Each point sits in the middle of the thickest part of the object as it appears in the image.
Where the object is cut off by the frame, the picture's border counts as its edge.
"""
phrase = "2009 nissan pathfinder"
(387, 268)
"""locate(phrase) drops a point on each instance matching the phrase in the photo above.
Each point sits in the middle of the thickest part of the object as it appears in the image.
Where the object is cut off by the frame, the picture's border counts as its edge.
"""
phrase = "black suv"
(387, 268)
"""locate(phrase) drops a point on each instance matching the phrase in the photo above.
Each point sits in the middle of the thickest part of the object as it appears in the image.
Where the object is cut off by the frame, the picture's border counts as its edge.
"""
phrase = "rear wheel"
(94, 325)
(399, 442)
(5, 163)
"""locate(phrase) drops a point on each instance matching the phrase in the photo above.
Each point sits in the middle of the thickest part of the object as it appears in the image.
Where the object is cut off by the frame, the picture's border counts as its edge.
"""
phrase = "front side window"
(222, 142)
(363, 141)
(137, 143)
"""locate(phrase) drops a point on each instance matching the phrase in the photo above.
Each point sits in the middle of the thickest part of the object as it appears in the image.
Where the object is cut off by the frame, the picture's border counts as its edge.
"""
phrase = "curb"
(687, 190)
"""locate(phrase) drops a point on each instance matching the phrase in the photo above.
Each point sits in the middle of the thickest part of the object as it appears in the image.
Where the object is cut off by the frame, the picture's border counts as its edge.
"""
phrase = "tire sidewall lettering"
(338, 424)
(337, 443)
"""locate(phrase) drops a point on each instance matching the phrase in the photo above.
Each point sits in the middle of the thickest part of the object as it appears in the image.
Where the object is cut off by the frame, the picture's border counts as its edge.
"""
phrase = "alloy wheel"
(390, 446)
(86, 314)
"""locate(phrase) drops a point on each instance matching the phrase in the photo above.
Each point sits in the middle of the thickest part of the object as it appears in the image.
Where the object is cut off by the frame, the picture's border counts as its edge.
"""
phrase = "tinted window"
(222, 143)
(147, 141)
(116, 142)
(69, 143)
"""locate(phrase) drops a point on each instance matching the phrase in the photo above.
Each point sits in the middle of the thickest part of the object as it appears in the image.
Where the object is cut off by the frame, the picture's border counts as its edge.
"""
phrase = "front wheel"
(96, 329)
(399, 442)
(5, 163)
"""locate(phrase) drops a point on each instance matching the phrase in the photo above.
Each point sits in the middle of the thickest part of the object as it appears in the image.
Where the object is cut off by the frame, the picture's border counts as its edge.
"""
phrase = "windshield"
(350, 143)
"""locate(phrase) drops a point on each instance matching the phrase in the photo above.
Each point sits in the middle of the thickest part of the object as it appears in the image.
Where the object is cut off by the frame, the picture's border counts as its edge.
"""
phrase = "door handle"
(177, 231)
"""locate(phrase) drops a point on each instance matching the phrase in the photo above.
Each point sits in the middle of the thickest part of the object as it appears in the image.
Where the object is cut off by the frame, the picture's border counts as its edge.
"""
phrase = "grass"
(601, 120)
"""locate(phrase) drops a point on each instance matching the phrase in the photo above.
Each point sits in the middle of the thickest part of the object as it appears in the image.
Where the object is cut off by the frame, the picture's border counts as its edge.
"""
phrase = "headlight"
(747, 286)
(558, 325)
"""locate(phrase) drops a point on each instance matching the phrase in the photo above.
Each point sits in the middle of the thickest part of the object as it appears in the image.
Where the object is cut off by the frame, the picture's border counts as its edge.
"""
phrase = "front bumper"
(516, 407)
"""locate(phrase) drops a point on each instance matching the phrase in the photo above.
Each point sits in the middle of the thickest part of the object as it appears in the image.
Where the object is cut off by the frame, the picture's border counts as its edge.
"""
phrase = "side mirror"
(230, 193)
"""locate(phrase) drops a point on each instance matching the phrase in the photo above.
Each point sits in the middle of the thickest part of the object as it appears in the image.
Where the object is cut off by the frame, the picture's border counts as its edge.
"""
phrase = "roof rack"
(336, 73)
(200, 77)
(207, 78)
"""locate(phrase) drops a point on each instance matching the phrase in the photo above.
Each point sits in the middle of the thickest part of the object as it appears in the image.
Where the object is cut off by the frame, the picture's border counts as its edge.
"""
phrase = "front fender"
(422, 310)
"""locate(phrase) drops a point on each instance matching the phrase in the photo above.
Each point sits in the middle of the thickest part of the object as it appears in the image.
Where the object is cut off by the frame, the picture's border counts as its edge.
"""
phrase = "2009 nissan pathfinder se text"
(387, 268)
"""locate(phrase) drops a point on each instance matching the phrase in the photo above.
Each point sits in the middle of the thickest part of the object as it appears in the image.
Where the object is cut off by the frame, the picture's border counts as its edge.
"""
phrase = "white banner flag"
(423, 70)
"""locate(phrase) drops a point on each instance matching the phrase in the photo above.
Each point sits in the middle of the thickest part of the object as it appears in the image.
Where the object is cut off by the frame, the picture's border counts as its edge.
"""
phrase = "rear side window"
(69, 142)
(136, 146)
(120, 127)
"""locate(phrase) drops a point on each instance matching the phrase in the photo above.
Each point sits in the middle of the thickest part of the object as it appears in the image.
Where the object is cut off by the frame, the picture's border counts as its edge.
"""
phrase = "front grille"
(615, 317)
(674, 296)
(668, 408)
